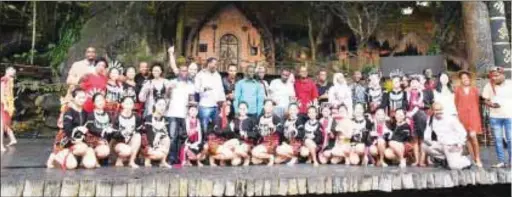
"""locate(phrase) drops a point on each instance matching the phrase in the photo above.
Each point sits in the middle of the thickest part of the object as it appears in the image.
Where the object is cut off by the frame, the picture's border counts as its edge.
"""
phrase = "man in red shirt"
(305, 90)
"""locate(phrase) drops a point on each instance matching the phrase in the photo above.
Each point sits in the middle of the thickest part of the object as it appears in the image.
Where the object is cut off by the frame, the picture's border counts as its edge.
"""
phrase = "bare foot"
(199, 164)
(291, 162)
(2, 149)
(12, 143)
(271, 161)
(97, 165)
(119, 163)
(165, 165)
(479, 164)
(415, 164)
(402, 163)
(384, 164)
(133, 165)
(347, 162)
(315, 164)
(365, 161)
(247, 162)
(147, 163)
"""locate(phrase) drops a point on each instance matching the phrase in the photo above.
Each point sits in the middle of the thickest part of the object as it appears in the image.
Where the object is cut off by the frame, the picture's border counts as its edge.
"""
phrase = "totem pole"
(500, 36)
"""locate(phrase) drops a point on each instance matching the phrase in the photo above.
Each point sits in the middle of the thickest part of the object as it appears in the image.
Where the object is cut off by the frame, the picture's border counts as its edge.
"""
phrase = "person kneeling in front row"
(444, 140)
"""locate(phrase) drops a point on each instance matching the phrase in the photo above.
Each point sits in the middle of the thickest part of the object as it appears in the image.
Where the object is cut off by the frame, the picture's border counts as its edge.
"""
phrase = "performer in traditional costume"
(245, 129)
(312, 136)
(195, 147)
(114, 92)
(99, 124)
(360, 141)
(127, 126)
(342, 130)
(156, 88)
(155, 138)
(7, 107)
(396, 98)
(380, 135)
(324, 155)
(399, 141)
(222, 140)
(269, 126)
(292, 137)
(374, 93)
(131, 89)
(419, 101)
(68, 143)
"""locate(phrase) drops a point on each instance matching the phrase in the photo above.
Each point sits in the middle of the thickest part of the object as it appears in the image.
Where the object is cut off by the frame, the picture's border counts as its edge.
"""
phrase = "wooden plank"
(385, 183)
(87, 188)
(302, 184)
(230, 188)
(174, 189)
(292, 187)
(12, 188)
(70, 188)
(283, 186)
(365, 184)
(407, 182)
(192, 187)
(183, 187)
(52, 188)
(250, 187)
(240, 187)
(135, 188)
(206, 187)
(274, 187)
(119, 189)
(33, 188)
(336, 186)
(104, 188)
(219, 188)
(320, 185)
(267, 186)
(162, 186)
(258, 187)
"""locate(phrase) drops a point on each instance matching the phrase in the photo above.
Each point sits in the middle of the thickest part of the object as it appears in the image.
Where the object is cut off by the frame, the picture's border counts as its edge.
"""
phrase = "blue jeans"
(498, 125)
(207, 114)
(176, 131)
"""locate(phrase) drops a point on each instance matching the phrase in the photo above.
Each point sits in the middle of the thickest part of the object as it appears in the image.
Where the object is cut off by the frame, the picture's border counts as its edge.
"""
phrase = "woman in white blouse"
(444, 94)
(340, 93)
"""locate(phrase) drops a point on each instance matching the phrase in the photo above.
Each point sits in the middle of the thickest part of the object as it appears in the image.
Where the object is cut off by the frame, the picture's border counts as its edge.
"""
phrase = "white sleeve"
(221, 96)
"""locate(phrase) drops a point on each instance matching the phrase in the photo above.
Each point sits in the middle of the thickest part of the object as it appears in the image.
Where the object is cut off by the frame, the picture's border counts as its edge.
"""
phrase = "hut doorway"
(228, 53)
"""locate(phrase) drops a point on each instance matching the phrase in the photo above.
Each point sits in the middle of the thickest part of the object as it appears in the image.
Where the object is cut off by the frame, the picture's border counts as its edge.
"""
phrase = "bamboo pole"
(34, 23)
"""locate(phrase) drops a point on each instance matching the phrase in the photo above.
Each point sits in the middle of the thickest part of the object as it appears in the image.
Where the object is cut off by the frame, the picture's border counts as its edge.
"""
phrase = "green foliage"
(367, 69)
(434, 49)
(69, 34)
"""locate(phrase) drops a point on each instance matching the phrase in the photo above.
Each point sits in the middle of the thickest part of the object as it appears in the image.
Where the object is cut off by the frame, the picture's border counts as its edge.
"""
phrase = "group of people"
(198, 117)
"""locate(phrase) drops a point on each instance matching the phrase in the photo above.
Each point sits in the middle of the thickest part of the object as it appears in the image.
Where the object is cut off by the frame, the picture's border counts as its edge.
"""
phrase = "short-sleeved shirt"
(503, 97)
(180, 95)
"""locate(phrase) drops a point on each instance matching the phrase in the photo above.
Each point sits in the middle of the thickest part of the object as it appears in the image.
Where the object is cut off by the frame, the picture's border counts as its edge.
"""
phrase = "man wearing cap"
(444, 140)
(498, 97)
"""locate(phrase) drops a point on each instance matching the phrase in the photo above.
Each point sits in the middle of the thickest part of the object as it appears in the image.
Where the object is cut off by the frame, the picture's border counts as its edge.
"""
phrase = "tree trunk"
(34, 23)
(500, 36)
(178, 43)
(312, 42)
(478, 35)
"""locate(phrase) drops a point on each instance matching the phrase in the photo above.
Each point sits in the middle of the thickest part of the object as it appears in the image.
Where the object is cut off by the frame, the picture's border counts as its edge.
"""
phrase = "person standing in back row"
(250, 91)
(306, 91)
(208, 83)
(323, 86)
(282, 93)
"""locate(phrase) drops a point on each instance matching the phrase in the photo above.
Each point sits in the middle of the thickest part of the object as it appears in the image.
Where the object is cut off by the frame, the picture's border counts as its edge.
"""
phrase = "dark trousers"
(176, 131)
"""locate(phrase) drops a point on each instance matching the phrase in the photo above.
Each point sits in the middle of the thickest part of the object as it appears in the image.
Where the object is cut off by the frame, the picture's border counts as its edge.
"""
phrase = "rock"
(33, 188)
(183, 187)
(267, 188)
(461, 177)
(218, 188)
(230, 188)
(162, 186)
(328, 185)
(240, 187)
(407, 181)
(135, 188)
(258, 187)
(87, 188)
(119, 189)
(375, 183)
(14, 188)
(292, 187)
(51, 121)
(503, 176)
(302, 184)
(385, 183)
(69, 188)
(50, 103)
(420, 180)
(174, 188)
(52, 188)
(365, 184)
(104, 188)
(283, 187)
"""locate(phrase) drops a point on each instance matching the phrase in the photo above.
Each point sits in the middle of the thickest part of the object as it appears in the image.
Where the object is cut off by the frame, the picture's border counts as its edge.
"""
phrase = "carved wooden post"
(500, 36)
(478, 35)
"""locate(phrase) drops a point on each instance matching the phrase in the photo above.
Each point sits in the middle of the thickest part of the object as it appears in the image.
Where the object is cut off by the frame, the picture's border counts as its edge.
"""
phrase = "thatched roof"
(412, 39)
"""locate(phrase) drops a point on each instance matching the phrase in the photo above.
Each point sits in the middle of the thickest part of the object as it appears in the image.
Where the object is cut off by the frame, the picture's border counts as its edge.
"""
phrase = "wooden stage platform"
(23, 174)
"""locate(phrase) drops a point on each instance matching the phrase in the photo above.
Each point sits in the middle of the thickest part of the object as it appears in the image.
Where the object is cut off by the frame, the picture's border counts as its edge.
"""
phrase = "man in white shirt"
(81, 68)
(498, 97)
(208, 84)
(444, 139)
(281, 91)
(182, 94)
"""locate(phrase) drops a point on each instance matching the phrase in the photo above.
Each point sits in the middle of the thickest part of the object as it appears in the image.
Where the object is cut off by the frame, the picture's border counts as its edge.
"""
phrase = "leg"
(475, 147)
(496, 128)
(416, 151)
(381, 147)
(311, 145)
(64, 157)
(455, 159)
(398, 149)
(175, 146)
(12, 138)
(260, 153)
(164, 149)
(134, 145)
(508, 134)
(324, 156)
(102, 151)
(2, 147)
(204, 116)
(123, 152)
(89, 159)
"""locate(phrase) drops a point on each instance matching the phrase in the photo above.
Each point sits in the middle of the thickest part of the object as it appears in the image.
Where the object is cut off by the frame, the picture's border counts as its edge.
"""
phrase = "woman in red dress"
(7, 107)
(467, 103)
(195, 148)
(94, 83)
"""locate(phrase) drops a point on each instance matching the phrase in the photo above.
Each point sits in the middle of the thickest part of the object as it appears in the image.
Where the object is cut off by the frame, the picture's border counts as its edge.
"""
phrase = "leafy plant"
(70, 33)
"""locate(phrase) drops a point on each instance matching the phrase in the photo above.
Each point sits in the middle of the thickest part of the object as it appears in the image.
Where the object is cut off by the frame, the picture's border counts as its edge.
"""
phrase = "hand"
(373, 133)
(83, 129)
(495, 105)
(409, 115)
(171, 50)
(207, 89)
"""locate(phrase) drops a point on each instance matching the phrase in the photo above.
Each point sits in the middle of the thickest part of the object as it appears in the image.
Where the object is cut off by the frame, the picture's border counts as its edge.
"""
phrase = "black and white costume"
(126, 127)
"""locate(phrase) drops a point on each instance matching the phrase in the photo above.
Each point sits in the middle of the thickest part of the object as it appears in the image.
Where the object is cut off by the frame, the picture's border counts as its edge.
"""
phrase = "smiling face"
(312, 113)
(242, 109)
(114, 74)
(465, 80)
(192, 112)
(268, 107)
(90, 54)
(444, 79)
(293, 111)
(80, 98)
(130, 73)
(128, 104)
(326, 112)
(99, 102)
(101, 67)
(156, 72)
(400, 115)
(160, 106)
(358, 110)
(192, 69)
